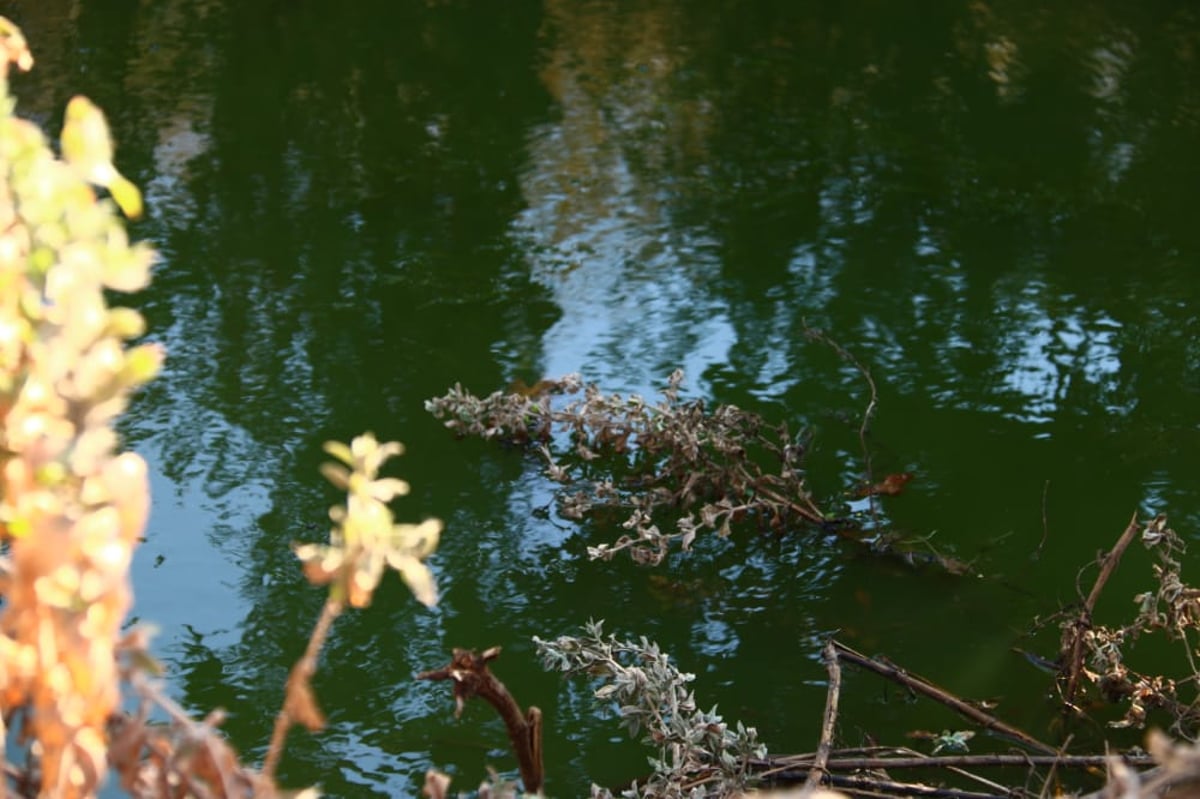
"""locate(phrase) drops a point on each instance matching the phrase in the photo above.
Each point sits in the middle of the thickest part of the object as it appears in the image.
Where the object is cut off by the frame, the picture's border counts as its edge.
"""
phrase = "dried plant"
(708, 470)
(180, 757)
(1172, 610)
(696, 754)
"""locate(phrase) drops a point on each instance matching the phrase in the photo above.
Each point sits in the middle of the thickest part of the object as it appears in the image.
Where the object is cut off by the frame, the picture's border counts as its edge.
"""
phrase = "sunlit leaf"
(387, 488)
(418, 577)
(420, 540)
(340, 451)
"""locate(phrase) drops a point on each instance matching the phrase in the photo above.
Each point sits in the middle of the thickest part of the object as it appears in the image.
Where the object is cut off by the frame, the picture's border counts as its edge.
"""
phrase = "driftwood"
(819, 768)
(471, 677)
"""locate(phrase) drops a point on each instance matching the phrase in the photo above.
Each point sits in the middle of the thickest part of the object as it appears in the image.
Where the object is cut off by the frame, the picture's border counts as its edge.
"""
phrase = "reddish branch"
(299, 704)
(471, 677)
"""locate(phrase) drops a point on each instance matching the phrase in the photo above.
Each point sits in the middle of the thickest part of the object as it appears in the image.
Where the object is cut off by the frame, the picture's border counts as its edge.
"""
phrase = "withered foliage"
(696, 753)
(1171, 610)
(178, 757)
(706, 469)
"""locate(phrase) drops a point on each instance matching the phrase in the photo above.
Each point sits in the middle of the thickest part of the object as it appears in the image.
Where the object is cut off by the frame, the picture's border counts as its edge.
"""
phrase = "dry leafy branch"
(707, 469)
(1097, 655)
(178, 757)
(696, 754)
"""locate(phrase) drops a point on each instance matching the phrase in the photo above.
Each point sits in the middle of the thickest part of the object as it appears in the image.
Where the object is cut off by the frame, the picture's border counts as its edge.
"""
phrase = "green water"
(992, 205)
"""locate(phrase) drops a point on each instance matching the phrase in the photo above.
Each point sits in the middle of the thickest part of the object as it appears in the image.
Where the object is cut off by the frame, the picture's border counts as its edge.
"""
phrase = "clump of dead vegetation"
(709, 469)
(1097, 658)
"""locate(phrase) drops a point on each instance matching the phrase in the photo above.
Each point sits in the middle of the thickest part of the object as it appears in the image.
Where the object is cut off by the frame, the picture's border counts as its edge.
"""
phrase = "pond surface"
(992, 205)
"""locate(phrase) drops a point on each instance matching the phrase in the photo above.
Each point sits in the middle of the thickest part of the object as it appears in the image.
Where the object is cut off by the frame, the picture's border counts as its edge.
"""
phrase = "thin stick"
(1037, 553)
(930, 690)
(1083, 623)
(858, 783)
(298, 703)
(818, 771)
(819, 335)
(836, 763)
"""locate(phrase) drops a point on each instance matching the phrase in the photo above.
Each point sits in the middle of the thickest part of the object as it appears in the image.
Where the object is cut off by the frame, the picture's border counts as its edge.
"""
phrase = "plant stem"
(297, 700)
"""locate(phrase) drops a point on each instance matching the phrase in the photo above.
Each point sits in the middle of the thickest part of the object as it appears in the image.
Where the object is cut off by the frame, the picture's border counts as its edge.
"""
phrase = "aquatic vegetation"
(707, 469)
(697, 754)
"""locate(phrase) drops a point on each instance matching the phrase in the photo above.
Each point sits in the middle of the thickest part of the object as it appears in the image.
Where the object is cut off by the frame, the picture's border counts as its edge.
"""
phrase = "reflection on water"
(1047, 356)
(991, 205)
(598, 225)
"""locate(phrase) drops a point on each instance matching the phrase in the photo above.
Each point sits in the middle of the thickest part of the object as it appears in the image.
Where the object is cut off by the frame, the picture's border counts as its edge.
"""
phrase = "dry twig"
(922, 686)
(471, 676)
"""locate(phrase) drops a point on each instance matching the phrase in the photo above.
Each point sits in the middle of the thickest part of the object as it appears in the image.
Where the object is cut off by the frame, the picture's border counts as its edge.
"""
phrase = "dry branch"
(1074, 639)
(863, 785)
(818, 770)
(922, 686)
(792, 766)
(471, 677)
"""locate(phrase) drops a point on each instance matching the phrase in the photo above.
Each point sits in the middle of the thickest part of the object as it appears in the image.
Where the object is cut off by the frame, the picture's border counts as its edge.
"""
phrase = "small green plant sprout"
(696, 753)
(953, 742)
(364, 540)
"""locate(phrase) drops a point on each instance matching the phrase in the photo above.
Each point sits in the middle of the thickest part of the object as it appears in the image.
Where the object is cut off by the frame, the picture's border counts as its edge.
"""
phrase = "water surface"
(992, 205)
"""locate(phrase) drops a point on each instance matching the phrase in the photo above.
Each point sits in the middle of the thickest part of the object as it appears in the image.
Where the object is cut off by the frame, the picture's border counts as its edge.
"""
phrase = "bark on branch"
(468, 669)
(1072, 654)
(926, 688)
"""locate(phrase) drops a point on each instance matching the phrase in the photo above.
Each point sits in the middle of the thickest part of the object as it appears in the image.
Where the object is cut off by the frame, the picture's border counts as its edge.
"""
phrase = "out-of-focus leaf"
(337, 474)
(418, 577)
(385, 489)
(340, 451)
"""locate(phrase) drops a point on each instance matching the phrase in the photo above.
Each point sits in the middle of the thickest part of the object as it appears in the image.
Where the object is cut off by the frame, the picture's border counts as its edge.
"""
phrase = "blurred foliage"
(73, 509)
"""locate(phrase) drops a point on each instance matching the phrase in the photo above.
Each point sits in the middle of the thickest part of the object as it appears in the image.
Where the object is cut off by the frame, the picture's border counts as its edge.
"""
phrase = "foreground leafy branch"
(708, 469)
(71, 508)
(697, 755)
(365, 539)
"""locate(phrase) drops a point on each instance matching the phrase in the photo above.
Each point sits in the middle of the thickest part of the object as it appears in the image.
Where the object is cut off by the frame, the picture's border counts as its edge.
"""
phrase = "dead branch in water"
(818, 770)
(471, 677)
(926, 688)
(1074, 636)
